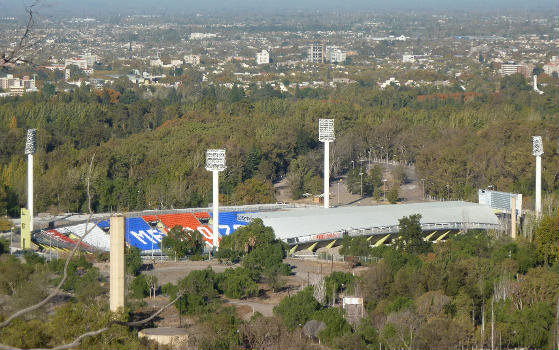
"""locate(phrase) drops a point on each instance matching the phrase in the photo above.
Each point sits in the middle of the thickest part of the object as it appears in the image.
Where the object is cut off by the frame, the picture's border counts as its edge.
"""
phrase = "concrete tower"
(537, 151)
(326, 135)
(117, 281)
(215, 162)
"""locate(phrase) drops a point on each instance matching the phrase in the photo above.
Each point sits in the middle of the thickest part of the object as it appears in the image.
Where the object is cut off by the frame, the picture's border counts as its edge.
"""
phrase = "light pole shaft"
(215, 203)
(538, 186)
(326, 174)
(30, 190)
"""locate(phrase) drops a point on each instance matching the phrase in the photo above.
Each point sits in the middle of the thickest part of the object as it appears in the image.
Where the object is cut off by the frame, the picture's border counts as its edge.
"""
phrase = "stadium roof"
(292, 223)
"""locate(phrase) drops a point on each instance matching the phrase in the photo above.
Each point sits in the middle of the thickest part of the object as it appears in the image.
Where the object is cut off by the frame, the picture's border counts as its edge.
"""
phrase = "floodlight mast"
(215, 162)
(537, 150)
(30, 149)
(326, 135)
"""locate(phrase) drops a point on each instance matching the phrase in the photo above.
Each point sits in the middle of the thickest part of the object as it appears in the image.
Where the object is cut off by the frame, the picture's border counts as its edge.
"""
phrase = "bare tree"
(57, 289)
(25, 42)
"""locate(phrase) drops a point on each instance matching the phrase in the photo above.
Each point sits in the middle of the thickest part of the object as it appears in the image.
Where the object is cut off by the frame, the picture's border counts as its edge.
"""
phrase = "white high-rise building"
(263, 57)
(80, 62)
(90, 59)
(316, 53)
(335, 55)
(192, 59)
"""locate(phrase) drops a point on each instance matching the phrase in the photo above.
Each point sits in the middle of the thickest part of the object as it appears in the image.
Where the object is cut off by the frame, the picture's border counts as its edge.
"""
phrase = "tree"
(26, 41)
(411, 235)
(297, 309)
(393, 195)
(134, 261)
(180, 243)
(237, 283)
(254, 191)
(547, 239)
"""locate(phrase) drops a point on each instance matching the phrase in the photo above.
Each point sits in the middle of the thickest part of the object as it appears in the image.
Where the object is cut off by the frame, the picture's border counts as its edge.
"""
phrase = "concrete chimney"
(117, 263)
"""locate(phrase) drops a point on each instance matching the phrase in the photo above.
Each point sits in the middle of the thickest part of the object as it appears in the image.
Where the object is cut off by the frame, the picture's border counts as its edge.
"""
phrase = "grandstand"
(145, 233)
(299, 227)
(304, 227)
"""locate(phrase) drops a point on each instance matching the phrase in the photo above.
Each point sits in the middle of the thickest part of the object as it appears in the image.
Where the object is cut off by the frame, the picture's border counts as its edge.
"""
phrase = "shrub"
(296, 310)
(237, 284)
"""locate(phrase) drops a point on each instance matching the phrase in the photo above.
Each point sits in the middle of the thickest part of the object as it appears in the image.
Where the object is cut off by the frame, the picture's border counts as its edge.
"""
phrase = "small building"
(263, 57)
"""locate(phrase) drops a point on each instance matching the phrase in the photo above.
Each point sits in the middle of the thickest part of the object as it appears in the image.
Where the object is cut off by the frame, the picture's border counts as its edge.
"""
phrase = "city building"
(200, 36)
(335, 55)
(552, 66)
(263, 57)
(192, 59)
(90, 59)
(510, 68)
(16, 86)
(80, 62)
(408, 58)
(316, 53)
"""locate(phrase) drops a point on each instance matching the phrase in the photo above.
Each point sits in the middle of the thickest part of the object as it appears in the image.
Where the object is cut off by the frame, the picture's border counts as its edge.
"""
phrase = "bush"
(336, 325)
(264, 257)
(296, 310)
(400, 303)
(200, 292)
(230, 255)
(133, 261)
(139, 287)
(33, 258)
(237, 284)
(336, 282)
(393, 195)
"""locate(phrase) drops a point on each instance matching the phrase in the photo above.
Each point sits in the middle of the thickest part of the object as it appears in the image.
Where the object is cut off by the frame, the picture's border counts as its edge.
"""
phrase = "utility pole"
(423, 184)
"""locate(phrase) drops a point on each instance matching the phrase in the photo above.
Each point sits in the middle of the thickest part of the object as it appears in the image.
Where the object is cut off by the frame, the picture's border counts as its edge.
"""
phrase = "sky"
(107, 7)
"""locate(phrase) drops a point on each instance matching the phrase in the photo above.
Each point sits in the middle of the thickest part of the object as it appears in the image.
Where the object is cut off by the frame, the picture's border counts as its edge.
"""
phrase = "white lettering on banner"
(142, 234)
(206, 232)
(235, 227)
(156, 234)
(226, 228)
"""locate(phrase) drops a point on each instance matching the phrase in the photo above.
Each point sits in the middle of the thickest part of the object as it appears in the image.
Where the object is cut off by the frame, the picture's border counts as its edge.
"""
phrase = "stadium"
(301, 227)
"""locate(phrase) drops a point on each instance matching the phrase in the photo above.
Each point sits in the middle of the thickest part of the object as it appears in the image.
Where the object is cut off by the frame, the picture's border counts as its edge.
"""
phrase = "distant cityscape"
(158, 51)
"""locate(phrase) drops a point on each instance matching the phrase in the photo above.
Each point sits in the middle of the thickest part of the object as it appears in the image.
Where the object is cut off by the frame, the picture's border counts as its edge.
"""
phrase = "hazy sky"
(96, 7)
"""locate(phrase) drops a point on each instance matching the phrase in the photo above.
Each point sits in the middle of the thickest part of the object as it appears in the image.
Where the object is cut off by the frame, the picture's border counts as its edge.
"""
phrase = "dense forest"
(149, 145)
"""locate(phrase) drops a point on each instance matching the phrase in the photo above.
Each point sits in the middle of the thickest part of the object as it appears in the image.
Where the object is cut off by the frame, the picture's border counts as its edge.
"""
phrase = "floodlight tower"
(326, 135)
(215, 162)
(537, 151)
(30, 149)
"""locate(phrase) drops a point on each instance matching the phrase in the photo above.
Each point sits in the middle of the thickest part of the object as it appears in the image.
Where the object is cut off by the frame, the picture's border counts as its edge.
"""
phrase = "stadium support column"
(538, 151)
(215, 162)
(30, 149)
(326, 135)
(117, 264)
(216, 209)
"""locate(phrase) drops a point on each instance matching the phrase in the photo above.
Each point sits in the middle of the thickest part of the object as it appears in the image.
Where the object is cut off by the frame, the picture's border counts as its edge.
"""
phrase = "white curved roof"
(299, 222)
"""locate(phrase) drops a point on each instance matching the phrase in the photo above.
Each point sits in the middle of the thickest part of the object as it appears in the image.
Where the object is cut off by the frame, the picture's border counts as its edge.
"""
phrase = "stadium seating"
(96, 237)
(228, 222)
(141, 235)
